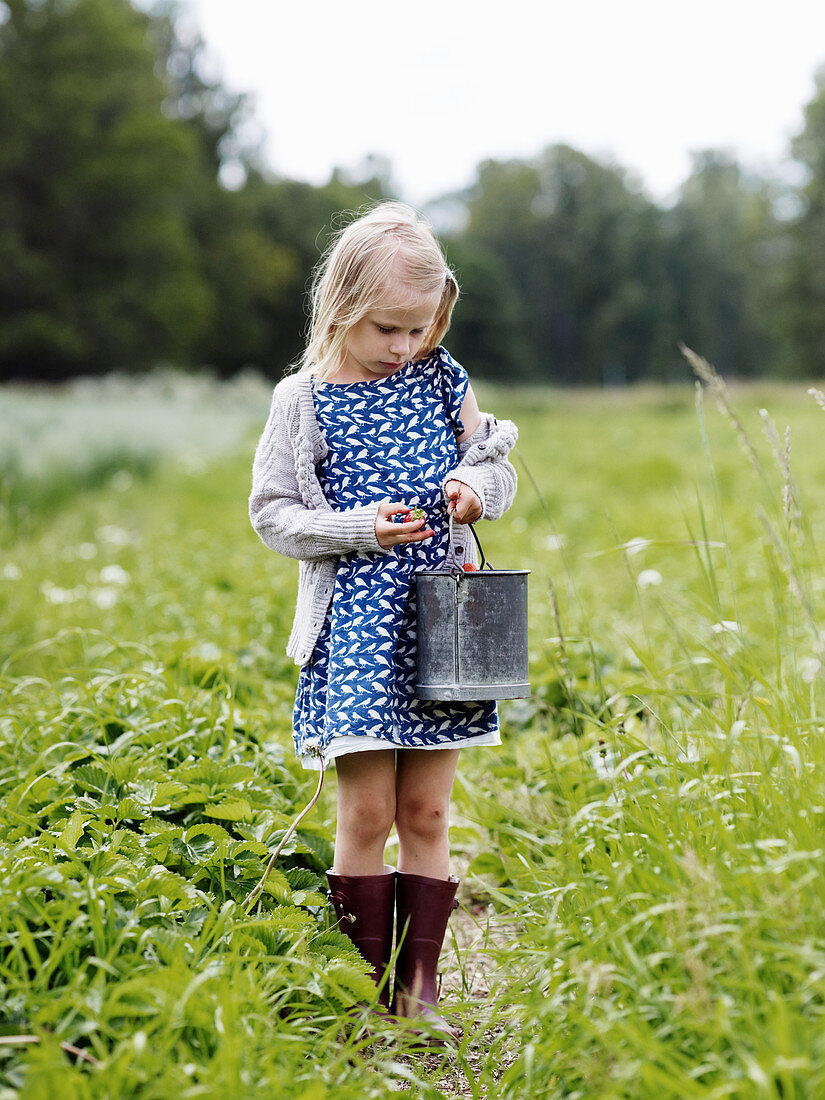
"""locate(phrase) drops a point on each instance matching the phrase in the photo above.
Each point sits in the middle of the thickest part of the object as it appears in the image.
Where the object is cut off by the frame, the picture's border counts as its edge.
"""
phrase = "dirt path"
(468, 971)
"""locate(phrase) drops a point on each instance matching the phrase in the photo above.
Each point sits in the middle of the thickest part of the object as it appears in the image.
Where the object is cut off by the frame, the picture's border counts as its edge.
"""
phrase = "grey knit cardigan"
(291, 515)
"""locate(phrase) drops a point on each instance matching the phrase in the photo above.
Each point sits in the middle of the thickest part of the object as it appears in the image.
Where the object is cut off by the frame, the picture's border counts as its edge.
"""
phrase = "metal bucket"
(471, 633)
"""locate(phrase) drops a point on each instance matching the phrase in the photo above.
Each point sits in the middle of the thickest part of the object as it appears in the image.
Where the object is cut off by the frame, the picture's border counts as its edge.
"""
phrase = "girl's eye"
(386, 331)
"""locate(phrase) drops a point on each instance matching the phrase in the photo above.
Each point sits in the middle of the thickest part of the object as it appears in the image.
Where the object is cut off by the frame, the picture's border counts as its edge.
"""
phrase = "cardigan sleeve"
(283, 480)
(484, 466)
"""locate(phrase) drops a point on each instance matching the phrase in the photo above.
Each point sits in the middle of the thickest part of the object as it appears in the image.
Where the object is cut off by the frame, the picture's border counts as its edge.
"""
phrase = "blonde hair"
(388, 257)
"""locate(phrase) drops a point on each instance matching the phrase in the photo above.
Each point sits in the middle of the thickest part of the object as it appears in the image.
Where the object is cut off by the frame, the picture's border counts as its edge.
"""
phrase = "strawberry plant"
(639, 858)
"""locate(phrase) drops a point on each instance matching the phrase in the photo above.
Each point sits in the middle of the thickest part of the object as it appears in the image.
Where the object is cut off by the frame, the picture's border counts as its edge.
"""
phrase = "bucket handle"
(484, 562)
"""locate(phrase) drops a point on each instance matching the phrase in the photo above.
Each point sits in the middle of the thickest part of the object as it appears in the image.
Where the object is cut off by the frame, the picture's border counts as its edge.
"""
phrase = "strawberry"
(468, 567)
(416, 513)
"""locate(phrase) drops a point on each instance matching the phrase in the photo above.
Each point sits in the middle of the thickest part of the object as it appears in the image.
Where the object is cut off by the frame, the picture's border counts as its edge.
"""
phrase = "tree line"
(137, 228)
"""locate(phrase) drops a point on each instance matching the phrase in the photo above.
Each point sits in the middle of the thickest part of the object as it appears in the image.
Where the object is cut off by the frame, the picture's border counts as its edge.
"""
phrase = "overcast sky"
(439, 85)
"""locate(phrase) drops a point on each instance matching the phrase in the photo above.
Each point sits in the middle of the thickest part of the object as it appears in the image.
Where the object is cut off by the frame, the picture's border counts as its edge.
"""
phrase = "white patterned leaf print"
(388, 440)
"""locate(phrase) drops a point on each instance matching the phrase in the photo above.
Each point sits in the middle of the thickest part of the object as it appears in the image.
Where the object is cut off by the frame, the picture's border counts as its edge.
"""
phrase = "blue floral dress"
(390, 439)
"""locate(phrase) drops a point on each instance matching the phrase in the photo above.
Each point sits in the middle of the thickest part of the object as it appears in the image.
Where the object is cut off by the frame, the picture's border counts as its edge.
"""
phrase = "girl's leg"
(366, 808)
(425, 892)
(424, 781)
(362, 890)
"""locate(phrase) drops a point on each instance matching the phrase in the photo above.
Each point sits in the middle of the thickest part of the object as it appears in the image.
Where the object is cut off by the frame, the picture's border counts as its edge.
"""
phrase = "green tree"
(277, 232)
(99, 267)
(581, 246)
(724, 243)
(204, 105)
(255, 276)
(121, 243)
(805, 290)
(488, 331)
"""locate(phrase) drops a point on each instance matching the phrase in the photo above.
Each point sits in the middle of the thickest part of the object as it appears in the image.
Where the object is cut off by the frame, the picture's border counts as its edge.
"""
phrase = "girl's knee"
(422, 817)
(367, 818)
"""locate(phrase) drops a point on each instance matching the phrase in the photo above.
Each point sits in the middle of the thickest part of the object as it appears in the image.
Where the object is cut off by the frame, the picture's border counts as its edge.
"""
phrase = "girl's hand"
(391, 534)
(463, 504)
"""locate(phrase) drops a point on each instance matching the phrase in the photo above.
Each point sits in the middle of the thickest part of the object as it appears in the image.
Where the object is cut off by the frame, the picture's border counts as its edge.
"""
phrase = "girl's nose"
(400, 346)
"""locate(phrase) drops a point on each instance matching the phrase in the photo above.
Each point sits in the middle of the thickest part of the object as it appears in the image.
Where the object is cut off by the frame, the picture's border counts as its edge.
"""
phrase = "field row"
(640, 860)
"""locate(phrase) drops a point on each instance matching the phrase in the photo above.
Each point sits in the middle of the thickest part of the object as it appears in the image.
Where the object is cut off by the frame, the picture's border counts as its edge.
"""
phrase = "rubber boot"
(423, 907)
(363, 905)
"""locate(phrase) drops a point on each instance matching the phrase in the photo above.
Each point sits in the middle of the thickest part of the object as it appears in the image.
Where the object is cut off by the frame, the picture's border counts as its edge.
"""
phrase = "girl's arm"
(463, 503)
(470, 415)
(278, 510)
(483, 465)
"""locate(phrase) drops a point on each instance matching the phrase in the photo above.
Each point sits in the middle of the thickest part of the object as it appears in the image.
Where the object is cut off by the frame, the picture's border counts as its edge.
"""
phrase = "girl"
(379, 418)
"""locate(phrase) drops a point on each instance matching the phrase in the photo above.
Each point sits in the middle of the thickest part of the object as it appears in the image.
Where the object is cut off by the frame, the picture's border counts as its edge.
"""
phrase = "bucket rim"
(457, 571)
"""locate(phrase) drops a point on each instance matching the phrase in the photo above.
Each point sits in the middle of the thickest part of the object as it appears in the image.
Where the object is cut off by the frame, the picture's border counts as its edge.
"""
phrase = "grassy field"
(641, 860)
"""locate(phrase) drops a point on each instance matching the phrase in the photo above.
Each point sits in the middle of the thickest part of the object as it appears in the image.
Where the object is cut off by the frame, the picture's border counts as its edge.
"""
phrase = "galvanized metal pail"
(471, 632)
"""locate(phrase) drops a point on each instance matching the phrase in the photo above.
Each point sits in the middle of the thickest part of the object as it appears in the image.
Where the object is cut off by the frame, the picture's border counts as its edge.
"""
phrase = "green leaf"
(302, 879)
(346, 983)
(162, 882)
(251, 846)
(92, 778)
(167, 794)
(277, 885)
(210, 772)
(232, 809)
(72, 831)
(209, 829)
(200, 852)
(308, 897)
(316, 1091)
(131, 809)
(488, 863)
(156, 826)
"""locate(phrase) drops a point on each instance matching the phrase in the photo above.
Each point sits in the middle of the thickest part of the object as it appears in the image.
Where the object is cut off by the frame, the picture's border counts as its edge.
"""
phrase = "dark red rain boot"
(423, 907)
(364, 905)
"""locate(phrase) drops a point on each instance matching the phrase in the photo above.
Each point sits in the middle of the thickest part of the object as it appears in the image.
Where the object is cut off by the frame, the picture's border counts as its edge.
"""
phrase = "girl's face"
(385, 339)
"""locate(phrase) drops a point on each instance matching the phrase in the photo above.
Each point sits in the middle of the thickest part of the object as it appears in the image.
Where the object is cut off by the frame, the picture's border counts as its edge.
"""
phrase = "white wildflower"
(649, 578)
(12, 572)
(809, 667)
(603, 761)
(793, 752)
(113, 574)
(519, 525)
(55, 594)
(121, 481)
(554, 542)
(689, 752)
(729, 626)
(86, 551)
(105, 597)
(115, 536)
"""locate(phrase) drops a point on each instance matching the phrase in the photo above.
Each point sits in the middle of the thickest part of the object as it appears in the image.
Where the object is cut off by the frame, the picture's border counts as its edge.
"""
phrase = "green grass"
(55, 443)
(641, 859)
